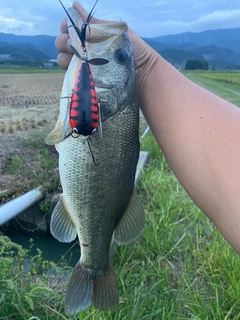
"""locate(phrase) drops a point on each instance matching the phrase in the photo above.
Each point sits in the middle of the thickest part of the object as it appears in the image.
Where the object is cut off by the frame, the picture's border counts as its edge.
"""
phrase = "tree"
(196, 65)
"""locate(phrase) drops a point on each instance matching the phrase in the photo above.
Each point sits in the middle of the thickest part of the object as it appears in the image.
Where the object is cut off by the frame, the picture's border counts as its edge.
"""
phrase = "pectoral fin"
(62, 226)
(56, 136)
(131, 223)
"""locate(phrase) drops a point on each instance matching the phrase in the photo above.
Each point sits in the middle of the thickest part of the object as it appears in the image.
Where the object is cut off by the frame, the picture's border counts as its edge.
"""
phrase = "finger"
(62, 43)
(84, 14)
(81, 10)
(63, 26)
(63, 60)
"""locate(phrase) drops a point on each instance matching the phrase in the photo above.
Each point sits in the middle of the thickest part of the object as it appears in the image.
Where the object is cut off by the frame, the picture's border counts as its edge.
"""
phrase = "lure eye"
(75, 130)
(121, 55)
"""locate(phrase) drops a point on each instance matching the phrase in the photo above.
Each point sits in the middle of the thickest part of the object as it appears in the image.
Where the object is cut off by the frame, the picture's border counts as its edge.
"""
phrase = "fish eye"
(121, 55)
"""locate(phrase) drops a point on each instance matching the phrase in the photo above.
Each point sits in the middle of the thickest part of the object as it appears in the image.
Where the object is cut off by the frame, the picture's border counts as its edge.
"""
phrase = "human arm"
(198, 132)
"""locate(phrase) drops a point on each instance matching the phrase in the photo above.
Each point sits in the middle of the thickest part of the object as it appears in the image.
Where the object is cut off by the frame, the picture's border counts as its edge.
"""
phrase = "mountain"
(227, 38)
(180, 57)
(41, 43)
(219, 56)
(22, 52)
(220, 48)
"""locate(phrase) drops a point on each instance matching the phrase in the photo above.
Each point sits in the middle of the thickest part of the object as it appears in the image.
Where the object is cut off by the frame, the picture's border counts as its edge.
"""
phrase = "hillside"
(41, 43)
(226, 38)
(27, 52)
(220, 48)
(180, 57)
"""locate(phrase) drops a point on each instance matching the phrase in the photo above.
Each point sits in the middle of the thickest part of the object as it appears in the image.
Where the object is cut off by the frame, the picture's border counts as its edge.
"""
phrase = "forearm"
(199, 134)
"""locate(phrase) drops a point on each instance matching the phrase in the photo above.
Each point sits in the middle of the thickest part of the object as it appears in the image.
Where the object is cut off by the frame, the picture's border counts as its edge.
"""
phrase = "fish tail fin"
(105, 296)
(79, 292)
(85, 289)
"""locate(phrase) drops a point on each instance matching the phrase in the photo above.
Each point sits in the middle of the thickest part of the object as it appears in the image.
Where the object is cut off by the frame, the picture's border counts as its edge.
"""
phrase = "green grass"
(224, 84)
(179, 268)
(227, 77)
(22, 70)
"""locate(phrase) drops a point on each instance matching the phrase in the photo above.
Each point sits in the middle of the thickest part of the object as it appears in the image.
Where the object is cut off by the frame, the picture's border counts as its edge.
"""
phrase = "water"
(52, 249)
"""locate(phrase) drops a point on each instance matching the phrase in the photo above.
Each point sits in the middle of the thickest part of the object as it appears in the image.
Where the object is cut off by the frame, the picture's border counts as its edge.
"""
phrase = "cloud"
(11, 25)
(219, 19)
(147, 18)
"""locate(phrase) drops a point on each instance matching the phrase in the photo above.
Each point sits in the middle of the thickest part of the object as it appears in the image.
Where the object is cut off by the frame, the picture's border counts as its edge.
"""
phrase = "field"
(29, 106)
(224, 84)
(180, 267)
(230, 77)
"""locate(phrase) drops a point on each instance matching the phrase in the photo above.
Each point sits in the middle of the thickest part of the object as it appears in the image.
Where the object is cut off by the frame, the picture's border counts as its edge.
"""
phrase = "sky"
(149, 18)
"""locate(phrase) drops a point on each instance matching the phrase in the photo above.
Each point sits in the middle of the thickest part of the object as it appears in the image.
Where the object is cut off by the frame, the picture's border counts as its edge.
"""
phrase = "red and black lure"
(83, 111)
(84, 105)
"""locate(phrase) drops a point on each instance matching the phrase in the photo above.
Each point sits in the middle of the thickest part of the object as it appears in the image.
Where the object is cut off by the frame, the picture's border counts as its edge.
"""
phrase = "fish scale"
(99, 203)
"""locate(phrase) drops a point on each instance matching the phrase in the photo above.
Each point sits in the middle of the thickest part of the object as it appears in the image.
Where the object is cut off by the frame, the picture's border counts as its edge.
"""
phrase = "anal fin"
(131, 223)
(62, 226)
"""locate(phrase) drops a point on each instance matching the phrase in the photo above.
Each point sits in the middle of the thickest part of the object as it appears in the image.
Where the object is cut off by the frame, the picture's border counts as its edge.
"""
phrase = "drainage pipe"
(12, 208)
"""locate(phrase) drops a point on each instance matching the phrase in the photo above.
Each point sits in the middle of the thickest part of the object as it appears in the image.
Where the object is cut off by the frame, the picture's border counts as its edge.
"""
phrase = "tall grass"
(179, 268)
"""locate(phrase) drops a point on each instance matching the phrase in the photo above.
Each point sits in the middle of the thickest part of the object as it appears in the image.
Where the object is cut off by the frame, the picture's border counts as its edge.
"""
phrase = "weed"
(48, 162)
(45, 206)
(13, 165)
(24, 294)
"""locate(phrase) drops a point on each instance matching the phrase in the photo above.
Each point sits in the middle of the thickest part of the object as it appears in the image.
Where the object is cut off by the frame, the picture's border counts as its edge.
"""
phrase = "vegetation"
(28, 46)
(196, 65)
(227, 77)
(24, 294)
(225, 84)
(18, 53)
(17, 69)
(179, 57)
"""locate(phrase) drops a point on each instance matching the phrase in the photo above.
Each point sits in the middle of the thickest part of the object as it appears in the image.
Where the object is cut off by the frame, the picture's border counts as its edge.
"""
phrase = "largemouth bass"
(99, 203)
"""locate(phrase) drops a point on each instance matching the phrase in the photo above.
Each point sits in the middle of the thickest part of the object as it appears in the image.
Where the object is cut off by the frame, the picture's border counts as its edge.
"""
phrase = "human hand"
(144, 55)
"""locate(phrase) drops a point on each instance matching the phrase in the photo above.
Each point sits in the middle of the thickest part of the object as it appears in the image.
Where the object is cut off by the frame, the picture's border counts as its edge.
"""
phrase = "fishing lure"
(83, 110)
(84, 105)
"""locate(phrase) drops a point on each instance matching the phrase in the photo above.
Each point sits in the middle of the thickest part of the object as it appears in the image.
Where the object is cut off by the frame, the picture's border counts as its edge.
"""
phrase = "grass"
(179, 268)
(224, 84)
(22, 70)
(227, 77)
